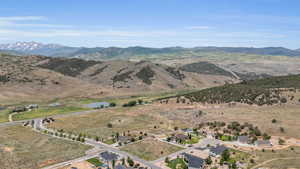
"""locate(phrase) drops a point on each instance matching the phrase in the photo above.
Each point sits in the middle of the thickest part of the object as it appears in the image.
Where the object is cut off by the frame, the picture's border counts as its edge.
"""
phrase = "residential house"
(217, 150)
(108, 156)
(194, 162)
(188, 130)
(32, 106)
(243, 139)
(124, 139)
(98, 105)
(179, 138)
(263, 143)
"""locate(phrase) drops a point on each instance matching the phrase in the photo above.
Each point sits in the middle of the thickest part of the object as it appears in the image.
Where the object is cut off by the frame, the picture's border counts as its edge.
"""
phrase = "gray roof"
(218, 150)
(243, 139)
(193, 161)
(263, 142)
(109, 156)
(98, 105)
(120, 167)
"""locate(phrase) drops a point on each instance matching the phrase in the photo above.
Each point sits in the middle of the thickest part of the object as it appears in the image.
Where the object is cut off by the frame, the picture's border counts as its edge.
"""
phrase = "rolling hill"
(265, 91)
(24, 76)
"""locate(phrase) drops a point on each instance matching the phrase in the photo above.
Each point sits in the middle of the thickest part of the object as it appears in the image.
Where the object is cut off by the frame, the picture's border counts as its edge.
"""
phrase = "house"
(108, 156)
(217, 150)
(124, 139)
(188, 130)
(32, 106)
(194, 162)
(263, 143)
(98, 105)
(243, 139)
(54, 105)
(180, 137)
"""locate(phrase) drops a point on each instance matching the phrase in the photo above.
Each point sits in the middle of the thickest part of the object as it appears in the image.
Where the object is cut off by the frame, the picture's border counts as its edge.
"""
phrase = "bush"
(112, 104)
(109, 125)
(274, 121)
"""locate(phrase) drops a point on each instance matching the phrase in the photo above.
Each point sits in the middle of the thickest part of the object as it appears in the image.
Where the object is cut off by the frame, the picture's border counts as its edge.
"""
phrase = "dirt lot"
(279, 159)
(21, 147)
(136, 119)
(150, 149)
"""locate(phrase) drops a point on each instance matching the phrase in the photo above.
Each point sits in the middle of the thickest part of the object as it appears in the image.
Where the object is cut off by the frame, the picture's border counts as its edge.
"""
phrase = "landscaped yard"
(44, 112)
(150, 149)
(21, 147)
(177, 163)
(95, 161)
(193, 140)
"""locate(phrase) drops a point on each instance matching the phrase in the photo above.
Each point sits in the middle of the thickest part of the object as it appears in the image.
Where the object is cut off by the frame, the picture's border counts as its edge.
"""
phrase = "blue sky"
(153, 23)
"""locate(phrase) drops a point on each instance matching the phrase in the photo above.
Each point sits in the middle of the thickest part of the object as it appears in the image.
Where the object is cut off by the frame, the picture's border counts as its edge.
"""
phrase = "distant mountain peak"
(28, 46)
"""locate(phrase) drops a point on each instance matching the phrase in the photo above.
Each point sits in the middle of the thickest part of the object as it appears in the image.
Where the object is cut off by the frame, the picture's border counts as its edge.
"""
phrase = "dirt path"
(274, 159)
(10, 117)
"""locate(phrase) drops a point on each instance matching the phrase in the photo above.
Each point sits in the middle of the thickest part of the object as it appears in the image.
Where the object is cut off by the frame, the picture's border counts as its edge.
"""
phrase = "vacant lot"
(44, 112)
(279, 159)
(150, 149)
(4, 116)
(21, 147)
(287, 116)
(146, 119)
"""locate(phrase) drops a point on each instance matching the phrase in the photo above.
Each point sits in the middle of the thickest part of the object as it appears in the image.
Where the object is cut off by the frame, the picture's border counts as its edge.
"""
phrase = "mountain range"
(137, 52)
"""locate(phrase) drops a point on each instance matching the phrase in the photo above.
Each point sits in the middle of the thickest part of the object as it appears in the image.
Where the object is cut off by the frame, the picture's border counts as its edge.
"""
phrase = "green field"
(177, 163)
(44, 112)
(4, 116)
(21, 147)
(95, 161)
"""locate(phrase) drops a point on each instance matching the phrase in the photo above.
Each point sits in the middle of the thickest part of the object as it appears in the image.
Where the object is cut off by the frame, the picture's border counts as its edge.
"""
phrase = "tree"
(225, 156)
(112, 104)
(274, 121)
(281, 129)
(109, 125)
(281, 141)
(283, 100)
(208, 161)
(130, 162)
(97, 138)
(167, 160)
(113, 163)
(140, 101)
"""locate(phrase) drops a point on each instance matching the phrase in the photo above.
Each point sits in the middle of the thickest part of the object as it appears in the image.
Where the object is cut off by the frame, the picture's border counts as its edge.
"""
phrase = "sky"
(152, 23)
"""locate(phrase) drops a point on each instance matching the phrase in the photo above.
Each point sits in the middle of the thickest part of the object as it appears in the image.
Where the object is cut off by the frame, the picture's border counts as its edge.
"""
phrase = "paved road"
(54, 116)
(38, 125)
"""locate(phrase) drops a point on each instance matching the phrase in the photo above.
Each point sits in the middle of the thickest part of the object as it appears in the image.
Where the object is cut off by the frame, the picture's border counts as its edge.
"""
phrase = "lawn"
(193, 140)
(177, 163)
(49, 111)
(150, 149)
(95, 161)
(21, 147)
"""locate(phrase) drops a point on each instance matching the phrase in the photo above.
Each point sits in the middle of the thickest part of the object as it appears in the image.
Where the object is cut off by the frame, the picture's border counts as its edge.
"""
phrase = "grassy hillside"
(260, 92)
(205, 68)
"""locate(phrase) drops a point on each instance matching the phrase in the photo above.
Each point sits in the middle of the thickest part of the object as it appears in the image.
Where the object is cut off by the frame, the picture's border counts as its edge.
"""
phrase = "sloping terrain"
(206, 68)
(20, 78)
(40, 77)
(260, 92)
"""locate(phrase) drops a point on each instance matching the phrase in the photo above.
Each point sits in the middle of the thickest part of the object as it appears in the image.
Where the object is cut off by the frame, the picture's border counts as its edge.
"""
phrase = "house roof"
(193, 161)
(243, 139)
(262, 142)
(98, 105)
(181, 136)
(109, 156)
(124, 138)
(218, 150)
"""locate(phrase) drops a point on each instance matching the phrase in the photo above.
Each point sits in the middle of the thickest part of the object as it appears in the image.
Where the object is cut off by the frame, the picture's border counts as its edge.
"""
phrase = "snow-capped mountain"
(35, 48)
(28, 46)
